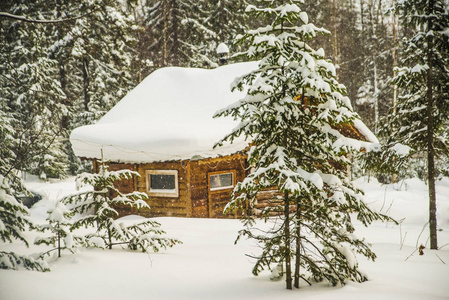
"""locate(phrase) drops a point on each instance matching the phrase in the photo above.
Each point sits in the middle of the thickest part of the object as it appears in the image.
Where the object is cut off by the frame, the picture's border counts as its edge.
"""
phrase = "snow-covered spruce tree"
(12, 213)
(420, 118)
(31, 93)
(179, 35)
(12, 224)
(226, 19)
(101, 46)
(98, 209)
(291, 113)
(59, 224)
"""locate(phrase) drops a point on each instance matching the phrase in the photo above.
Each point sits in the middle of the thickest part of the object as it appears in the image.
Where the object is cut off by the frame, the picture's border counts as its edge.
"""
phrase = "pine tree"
(290, 113)
(177, 33)
(101, 46)
(98, 209)
(31, 93)
(375, 64)
(13, 214)
(59, 224)
(227, 19)
(165, 22)
(419, 123)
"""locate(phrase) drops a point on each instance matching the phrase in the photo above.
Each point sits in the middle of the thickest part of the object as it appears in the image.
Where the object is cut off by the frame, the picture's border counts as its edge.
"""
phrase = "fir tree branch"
(25, 19)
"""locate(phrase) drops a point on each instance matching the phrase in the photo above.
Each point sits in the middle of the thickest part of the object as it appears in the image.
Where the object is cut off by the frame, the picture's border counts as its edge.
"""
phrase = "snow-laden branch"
(26, 19)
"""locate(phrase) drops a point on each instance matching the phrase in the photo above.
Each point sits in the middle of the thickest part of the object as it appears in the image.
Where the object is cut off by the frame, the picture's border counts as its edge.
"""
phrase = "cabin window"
(162, 183)
(221, 180)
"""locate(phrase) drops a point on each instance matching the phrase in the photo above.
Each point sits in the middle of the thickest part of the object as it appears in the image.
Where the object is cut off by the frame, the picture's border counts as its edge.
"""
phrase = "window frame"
(219, 189)
(148, 174)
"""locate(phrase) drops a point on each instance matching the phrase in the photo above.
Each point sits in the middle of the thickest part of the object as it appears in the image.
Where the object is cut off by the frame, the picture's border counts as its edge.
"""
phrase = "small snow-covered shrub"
(59, 224)
(98, 209)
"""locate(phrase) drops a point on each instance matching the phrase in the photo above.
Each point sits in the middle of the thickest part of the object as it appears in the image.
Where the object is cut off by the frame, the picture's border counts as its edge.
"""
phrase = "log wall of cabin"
(166, 206)
(195, 198)
(206, 203)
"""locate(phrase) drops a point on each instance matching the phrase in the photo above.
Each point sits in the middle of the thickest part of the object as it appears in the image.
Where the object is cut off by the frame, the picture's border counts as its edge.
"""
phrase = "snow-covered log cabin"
(163, 129)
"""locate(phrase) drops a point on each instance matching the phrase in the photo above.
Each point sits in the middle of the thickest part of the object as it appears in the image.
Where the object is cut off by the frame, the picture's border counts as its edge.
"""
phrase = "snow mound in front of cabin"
(168, 116)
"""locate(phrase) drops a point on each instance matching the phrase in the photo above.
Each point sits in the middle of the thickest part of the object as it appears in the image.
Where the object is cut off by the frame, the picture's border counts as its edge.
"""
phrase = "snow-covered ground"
(209, 266)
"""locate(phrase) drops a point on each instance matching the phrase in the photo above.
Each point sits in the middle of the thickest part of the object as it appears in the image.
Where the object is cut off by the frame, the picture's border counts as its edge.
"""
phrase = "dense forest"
(66, 63)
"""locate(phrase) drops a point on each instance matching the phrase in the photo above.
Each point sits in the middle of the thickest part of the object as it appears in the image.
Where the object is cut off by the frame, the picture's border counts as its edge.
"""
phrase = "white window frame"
(218, 173)
(162, 193)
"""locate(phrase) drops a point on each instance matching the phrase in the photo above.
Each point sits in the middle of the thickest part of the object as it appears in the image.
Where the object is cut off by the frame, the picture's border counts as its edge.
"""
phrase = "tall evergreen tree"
(31, 93)
(102, 46)
(292, 107)
(13, 214)
(227, 19)
(59, 75)
(376, 51)
(170, 41)
(419, 120)
(187, 33)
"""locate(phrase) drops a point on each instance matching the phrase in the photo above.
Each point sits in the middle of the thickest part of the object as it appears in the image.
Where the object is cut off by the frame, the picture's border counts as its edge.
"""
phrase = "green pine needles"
(293, 108)
(418, 125)
(13, 222)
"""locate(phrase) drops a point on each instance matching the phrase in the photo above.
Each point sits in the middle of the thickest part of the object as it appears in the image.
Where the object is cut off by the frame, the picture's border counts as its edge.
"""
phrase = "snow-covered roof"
(168, 116)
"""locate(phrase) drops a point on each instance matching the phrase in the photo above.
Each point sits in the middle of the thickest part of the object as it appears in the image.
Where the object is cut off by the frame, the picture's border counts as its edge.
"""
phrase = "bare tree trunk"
(298, 244)
(376, 96)
(222, 21)
(165, 33)
(395, 87)
(176, 48)
(430, 132)
(58, 227)
(335, 51)
(288, 269)
(86, 83)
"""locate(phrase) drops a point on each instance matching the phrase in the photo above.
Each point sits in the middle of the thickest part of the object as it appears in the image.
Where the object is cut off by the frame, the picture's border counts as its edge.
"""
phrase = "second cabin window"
(162, 183)
(221, 180)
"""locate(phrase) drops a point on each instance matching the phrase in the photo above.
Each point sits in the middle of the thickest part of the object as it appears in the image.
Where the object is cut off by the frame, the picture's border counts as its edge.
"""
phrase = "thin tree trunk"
(165, 33)
(59, 241)
(222, 21)
(176, 48)
(376, 95)
(86, 83)
(335, 53)
(395, 87)
(288, 270)
(298, 244)
(430, 132)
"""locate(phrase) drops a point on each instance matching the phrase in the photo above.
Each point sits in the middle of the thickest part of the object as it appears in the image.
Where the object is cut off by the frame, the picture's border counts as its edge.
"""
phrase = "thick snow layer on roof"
(168, 116)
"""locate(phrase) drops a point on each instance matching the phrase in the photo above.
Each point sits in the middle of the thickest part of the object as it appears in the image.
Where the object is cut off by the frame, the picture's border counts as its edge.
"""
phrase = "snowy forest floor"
(209, 266)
